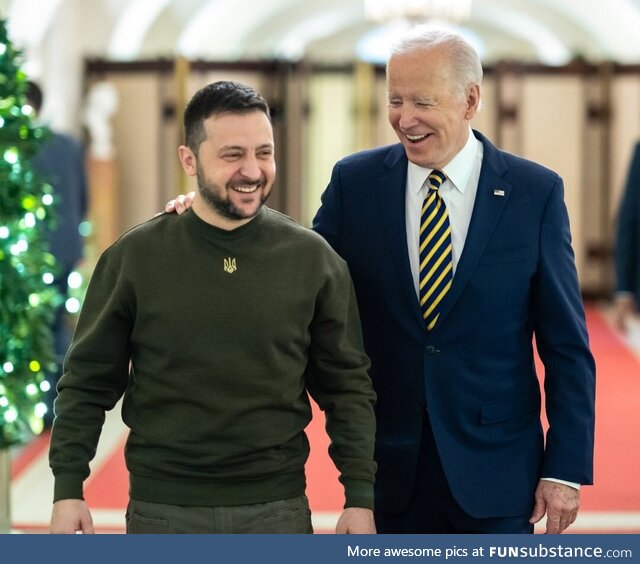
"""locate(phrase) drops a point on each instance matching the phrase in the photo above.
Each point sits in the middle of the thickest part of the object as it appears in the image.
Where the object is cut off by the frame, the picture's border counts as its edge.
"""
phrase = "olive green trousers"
(287, 516)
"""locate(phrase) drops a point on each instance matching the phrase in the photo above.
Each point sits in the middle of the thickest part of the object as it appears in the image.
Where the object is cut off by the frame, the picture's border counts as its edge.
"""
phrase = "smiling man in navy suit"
(460, 446)
(460, 254)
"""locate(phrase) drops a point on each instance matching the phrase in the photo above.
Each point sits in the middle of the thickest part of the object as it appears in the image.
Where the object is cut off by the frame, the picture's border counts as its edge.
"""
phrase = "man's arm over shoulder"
(352, 187)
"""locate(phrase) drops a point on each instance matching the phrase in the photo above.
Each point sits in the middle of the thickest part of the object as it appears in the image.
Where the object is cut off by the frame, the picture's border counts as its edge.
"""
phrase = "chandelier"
(383, 11)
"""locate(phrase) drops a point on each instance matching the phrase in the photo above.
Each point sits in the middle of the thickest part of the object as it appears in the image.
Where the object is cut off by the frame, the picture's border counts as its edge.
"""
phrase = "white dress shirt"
(459, 194)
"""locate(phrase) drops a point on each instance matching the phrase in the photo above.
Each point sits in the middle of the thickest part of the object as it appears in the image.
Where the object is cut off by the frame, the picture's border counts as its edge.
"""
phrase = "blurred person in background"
(61, 161)
(627, 253)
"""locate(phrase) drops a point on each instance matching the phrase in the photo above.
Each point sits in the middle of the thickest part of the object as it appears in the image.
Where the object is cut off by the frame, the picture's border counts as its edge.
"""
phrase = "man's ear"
(473, 101)
(187, 160)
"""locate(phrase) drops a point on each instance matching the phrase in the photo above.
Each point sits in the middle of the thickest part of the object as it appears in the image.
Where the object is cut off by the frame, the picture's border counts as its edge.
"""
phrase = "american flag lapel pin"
(498, 192)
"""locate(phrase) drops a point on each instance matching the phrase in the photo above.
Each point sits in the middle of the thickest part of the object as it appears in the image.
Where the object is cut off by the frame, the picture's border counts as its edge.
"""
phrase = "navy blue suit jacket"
(627, 249)
(475, 371)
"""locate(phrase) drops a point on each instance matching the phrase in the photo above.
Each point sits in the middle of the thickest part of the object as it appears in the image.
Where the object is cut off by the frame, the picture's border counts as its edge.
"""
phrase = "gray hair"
(465, 63)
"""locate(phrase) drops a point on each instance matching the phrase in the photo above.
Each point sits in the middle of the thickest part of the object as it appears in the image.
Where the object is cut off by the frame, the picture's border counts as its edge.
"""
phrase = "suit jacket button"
(431, 350)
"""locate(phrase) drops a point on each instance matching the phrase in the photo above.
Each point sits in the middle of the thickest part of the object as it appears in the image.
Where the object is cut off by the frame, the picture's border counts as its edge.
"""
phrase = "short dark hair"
(34, 95)
(219, 98)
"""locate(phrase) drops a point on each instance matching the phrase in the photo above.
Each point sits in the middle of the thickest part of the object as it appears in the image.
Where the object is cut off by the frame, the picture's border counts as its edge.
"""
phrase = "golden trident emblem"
(230, 265)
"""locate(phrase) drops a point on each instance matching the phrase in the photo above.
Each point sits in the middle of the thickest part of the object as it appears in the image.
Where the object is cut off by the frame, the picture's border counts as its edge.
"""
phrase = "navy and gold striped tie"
(435, 251)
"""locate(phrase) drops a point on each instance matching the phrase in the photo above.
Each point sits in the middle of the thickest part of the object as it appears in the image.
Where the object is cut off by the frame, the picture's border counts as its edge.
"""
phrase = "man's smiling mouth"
(416, 138)
(246, 189)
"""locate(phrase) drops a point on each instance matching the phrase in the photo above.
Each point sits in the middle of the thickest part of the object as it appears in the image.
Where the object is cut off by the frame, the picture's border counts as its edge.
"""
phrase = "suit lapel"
(391, 190)
(491, 198)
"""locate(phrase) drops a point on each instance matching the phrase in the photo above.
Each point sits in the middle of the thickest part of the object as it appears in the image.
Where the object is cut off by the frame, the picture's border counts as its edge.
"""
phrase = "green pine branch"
(27, 297)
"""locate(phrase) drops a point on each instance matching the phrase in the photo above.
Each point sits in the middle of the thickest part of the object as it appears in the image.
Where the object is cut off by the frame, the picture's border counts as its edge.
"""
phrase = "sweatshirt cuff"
(358, 493)
(67, 486)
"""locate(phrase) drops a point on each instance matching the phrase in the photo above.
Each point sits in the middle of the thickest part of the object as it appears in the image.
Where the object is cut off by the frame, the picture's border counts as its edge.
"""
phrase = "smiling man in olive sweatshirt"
(216, 391)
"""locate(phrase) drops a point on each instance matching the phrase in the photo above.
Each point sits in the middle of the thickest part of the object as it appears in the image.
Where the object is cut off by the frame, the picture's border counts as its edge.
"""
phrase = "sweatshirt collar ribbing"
(211, 232)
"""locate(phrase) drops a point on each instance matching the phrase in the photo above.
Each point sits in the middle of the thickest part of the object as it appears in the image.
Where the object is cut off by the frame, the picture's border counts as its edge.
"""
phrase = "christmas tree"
(27, 297)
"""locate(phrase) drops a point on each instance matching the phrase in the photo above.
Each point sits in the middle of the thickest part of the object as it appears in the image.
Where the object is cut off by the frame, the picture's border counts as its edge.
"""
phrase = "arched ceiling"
(549, 31)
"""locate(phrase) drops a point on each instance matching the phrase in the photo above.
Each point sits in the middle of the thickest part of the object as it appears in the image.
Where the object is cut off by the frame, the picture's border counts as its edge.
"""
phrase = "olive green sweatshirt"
(215, 338)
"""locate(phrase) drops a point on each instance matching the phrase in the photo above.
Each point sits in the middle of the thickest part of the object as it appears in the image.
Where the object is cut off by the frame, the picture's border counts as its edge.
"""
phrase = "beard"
(217, 198)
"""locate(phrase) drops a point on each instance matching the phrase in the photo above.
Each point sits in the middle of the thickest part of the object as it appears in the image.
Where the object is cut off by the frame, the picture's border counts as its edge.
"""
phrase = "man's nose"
(251, 168)
(407, 116)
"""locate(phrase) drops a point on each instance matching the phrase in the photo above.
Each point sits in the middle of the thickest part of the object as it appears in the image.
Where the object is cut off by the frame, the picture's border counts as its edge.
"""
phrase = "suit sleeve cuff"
(565, 482)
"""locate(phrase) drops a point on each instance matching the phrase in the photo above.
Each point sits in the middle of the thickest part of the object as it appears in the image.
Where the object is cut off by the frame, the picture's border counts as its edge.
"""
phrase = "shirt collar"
(458, 170)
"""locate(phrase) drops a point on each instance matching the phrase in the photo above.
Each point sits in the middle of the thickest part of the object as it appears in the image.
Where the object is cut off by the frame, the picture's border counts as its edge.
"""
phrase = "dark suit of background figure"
(61, 161)
(627, 244)
(473, 376)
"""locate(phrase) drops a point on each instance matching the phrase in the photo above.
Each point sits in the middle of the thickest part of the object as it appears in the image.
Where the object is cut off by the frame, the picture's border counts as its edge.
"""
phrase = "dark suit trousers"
(432, 509)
